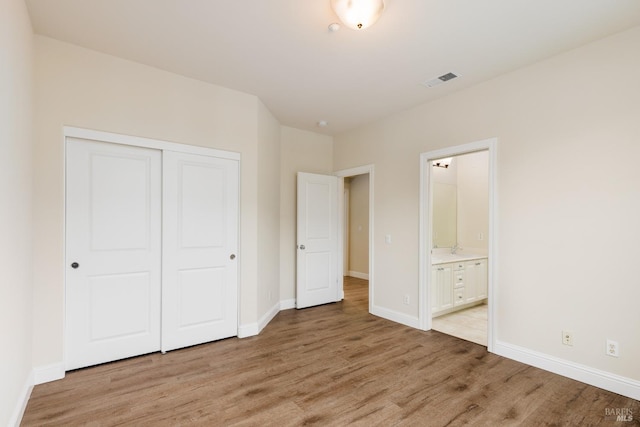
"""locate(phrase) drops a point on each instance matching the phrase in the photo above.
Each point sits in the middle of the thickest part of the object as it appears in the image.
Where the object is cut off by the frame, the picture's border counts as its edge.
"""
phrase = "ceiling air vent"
(439, 80)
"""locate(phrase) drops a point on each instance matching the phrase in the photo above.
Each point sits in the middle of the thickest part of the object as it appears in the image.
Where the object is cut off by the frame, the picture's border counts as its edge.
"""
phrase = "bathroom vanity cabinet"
(441, 287)
(457, 285)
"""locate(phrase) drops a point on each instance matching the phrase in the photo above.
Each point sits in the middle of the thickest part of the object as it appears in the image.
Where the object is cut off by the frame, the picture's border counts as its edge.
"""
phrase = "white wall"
(301, 151)
(268, 292)
(16, 286)
(359, 225)
(568, 197)
(84, 88)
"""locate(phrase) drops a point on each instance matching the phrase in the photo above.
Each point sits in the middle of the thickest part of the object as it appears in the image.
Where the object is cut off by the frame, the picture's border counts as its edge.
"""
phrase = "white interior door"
(317, 236)
(113, 252)
(200, 244)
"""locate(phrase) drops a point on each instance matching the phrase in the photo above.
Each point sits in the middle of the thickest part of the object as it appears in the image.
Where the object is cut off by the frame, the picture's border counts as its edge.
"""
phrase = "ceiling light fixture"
(358, 14)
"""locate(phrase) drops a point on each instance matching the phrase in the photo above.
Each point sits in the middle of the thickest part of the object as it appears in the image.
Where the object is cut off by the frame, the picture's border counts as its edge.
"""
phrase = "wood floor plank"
(331, 365)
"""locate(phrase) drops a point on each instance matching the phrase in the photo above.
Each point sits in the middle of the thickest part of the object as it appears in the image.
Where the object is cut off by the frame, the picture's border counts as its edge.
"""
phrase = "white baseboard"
(288, 304)
(268, 316)
(358, 275)
(248, 330)
(252, 329)
(21, 405)
(48, 373)
(396, 316)
(588, 375)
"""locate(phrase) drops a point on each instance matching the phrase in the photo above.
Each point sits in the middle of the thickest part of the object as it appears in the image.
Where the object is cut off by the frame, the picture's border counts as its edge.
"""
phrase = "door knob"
(232, 256)
(302, 247)
(75, 265)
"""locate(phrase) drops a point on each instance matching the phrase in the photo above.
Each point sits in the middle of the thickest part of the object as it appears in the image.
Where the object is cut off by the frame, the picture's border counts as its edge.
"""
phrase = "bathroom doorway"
(456, 242)
(460, 224)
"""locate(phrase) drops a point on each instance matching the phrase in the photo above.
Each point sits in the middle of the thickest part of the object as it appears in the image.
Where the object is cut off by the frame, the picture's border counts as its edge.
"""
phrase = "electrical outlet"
(405, 300)
(612, 348)
(567, 338)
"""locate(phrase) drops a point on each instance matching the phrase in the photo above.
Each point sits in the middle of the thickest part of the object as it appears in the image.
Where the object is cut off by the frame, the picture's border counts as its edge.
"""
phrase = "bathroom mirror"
(444, 215)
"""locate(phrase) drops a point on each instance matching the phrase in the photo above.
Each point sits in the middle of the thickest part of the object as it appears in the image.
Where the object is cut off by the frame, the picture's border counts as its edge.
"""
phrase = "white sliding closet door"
(151, 245)
(113, 252)
(200, 244)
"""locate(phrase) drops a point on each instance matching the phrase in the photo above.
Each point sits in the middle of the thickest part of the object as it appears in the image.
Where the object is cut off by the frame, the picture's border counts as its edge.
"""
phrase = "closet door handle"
(232, 256)
(75, 265)
(302, 247)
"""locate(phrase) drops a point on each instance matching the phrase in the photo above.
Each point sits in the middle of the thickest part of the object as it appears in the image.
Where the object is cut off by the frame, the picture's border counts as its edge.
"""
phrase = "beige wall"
(268, 292)
(473, 201)
(16, 286)
(83, 88)
(359, 224)
(566, 229)
(568, 198)
(301, 151)
(444, 219)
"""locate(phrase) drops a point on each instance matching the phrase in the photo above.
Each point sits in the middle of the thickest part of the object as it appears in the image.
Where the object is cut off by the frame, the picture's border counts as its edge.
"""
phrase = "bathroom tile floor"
(469, 324)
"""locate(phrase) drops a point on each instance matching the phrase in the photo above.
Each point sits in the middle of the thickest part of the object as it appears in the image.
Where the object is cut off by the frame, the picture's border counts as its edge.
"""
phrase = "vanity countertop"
(440, 258)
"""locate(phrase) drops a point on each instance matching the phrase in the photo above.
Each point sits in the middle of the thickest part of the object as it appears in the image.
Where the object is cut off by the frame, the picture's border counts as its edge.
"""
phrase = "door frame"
(346, 200)
(426, 232)
(135, 141)
(360, 170)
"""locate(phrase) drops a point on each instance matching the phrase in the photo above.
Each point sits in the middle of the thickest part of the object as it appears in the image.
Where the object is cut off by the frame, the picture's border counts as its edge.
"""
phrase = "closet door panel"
(200, 243)
(113, 252)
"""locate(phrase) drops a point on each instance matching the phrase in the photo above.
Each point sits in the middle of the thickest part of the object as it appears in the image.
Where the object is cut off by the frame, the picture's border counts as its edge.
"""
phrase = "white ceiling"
(282, 51)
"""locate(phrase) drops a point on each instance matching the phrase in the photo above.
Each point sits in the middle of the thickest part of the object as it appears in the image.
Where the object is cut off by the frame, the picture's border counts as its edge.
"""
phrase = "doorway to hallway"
(356, 219)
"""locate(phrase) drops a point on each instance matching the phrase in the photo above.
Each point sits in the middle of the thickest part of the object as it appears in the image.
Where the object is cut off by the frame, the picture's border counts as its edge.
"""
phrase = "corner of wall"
(23, 400)
(17, 87)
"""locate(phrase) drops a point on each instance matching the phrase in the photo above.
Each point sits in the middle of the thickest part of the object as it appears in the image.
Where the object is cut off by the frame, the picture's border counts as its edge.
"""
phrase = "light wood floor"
(331, 365)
